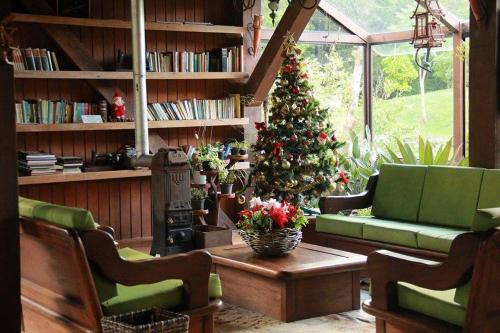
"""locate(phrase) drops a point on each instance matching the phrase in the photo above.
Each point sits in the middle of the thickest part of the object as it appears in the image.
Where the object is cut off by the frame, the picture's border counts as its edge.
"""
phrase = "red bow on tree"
(260, 126)
(343, 177)
(277, 147)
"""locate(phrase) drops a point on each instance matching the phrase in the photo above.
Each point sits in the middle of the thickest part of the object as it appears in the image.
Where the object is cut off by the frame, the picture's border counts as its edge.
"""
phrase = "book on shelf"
(194, 109)
(53, 112)
(69, 164)
(34, 59)
(218, 60)
(36, 163)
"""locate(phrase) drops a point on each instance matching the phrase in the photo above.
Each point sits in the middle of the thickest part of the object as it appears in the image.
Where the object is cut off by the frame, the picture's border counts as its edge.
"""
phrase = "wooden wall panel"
(124, 205)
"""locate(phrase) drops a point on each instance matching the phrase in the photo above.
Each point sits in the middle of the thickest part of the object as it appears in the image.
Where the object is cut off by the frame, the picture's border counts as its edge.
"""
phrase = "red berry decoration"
(296, 90)
(305, 102)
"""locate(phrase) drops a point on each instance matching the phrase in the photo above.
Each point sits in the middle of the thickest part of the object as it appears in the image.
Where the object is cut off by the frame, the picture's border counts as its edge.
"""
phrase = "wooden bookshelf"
(121, 24)
(93, 176)
(80, 177)
(102, 75)
(30, 128)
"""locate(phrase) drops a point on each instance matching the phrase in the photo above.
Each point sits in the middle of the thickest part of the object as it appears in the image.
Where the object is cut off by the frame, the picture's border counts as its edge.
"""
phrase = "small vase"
(226, 188)
(198, 178)
(198, 204)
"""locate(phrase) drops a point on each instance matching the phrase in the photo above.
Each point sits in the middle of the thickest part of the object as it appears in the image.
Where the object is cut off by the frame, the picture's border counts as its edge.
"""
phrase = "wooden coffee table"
(309, 282)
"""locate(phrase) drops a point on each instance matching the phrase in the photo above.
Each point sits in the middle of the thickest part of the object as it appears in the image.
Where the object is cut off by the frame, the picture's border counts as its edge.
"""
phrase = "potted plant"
(208, 155)
(227, 178)
(270, 227)
(198, 196)
(239, 148)
(196, 167)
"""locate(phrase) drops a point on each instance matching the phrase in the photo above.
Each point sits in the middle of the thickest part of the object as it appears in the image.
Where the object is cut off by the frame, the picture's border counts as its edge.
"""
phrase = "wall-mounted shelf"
(93, 176)
(27, 128)
(102, 75)
(121, 24)
(80, 177)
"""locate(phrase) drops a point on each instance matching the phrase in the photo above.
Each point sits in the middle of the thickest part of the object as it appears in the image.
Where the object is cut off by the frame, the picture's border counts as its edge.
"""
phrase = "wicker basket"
(151, 321)
(274, 243)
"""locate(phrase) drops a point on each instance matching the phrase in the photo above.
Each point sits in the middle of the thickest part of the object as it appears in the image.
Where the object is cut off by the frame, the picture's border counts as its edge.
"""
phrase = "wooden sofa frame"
(476, 254)
(58, 292)
(336, 204)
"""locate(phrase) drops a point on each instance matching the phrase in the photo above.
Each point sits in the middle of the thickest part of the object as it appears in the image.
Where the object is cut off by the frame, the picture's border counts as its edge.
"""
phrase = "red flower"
(260, 126)
(343, 177)
(287, 69)
(292, 210)
(245, 213)
(279, 217)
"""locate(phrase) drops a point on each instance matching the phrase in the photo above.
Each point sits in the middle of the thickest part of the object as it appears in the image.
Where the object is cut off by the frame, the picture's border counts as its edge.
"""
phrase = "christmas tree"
(296, 149)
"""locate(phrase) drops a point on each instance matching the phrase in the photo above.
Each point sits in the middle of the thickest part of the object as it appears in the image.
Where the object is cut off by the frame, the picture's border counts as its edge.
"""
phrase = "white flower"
(255, 202)
(272, 203)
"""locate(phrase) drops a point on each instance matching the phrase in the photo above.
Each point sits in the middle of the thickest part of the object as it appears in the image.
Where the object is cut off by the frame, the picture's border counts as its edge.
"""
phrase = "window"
(409, 102)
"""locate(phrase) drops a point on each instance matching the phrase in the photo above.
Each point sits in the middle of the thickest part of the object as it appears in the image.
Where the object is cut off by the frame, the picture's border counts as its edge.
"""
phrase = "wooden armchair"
(472, 254)
(59, 292)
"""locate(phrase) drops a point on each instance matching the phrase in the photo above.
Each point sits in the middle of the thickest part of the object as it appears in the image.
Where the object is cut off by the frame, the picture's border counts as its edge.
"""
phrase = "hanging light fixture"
(428, 31)
(243, 5)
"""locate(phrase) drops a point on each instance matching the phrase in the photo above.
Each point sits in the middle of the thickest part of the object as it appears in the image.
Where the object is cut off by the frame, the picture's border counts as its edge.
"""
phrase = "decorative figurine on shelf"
(119, 107)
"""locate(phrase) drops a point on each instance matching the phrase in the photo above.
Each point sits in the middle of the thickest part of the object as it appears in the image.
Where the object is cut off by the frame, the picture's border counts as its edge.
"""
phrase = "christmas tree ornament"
(284, 82)
(286, 164)
(241, 199)
(322, 138)
(294, 137)
(332, 187)
(289, 126)
(296, 90)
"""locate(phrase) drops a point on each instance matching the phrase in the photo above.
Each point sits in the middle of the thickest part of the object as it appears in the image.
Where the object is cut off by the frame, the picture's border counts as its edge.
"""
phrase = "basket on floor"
(274, 243)
(151, 321)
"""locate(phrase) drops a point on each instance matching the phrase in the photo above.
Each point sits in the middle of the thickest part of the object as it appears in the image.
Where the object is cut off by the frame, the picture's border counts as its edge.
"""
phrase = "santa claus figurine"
(118, 107)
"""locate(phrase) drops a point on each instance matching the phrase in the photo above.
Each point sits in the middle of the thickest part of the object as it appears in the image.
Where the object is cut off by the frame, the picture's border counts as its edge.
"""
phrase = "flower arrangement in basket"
(270, 227)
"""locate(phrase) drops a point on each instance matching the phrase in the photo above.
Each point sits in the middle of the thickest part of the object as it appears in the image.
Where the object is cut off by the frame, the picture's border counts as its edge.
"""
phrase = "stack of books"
(53, 112)
(34, 59)
(226, 108)
(218, 60)
(35, 163)
(70, 164)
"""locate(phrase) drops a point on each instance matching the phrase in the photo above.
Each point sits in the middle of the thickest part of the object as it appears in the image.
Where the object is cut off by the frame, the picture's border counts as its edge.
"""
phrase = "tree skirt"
(233, 319)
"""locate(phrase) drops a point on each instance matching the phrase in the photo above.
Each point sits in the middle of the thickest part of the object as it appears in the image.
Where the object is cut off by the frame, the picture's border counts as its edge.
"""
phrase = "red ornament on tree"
(296, 90)
(119, 107)
(260, 126)
(305, 102)
(287, 69)
(294, 137)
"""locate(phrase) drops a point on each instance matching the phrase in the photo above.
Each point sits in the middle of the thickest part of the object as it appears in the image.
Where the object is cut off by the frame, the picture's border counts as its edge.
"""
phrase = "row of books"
(42, 163)
(34, 59)
(218, 60)
(226, 108)
(53, 112)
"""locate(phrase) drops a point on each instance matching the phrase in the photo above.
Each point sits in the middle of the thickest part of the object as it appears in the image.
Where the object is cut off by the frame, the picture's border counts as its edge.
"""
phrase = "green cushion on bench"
(165, 294)
(393, 232)
(433, 303)
(351, 226)
(398, 192)
(61, 216)
(489, 196)
(438, 238)
(450, 196)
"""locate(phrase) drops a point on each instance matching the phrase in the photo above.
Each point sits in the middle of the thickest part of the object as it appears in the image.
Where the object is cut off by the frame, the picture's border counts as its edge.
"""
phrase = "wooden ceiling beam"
(344, 20)
(294, 21)
(320, 37)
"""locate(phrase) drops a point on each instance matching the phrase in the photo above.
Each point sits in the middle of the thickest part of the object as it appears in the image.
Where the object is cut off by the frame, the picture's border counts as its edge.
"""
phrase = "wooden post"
(367, 87)
(484, 109)
(294, 21)
(458, 95)
(10, 316)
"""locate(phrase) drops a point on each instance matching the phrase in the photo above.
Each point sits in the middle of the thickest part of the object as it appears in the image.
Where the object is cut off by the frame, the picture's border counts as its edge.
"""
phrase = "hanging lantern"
(428, 31)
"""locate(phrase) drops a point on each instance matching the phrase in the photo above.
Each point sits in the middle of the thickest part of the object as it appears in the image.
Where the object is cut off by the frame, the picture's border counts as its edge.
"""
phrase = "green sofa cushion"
(438, 304)
(61, 216)
(165, 294)
(351, 226)
(105, 288)
(450, 196)
(398, 192)
(438, 238)
(462, 294)
(393, 232)
(486, 219)
(489, 196)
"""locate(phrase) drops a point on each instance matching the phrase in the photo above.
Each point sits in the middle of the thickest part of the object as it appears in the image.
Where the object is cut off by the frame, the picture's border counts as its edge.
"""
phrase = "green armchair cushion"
(438, 304)
(351, 226)
(398, 192)
(450, 196)
(393, 232)
(462, 294)
(489, 196)
(438, 238)
(486, 219)
(165, 294)
(61, 216)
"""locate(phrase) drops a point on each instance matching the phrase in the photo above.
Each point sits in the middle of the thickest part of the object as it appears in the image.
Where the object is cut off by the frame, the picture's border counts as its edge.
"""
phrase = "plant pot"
(198, 204)
(235, 151)
(198, 178)
(226, 188)
(243, 151)
(275, 243)
(206, 166)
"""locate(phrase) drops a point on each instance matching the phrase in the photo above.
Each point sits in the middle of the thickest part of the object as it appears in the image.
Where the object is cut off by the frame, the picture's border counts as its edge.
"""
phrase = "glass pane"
(458, 8)
(319, 21)
(409, 102)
